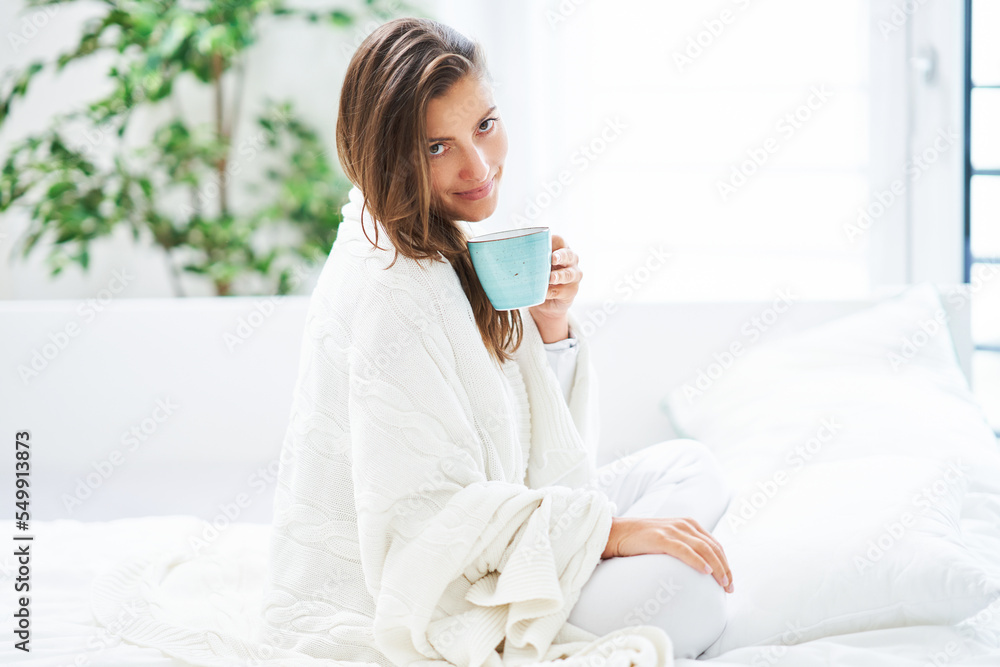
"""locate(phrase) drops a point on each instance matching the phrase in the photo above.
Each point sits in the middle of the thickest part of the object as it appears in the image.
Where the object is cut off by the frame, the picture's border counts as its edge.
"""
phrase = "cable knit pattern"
(432, 506)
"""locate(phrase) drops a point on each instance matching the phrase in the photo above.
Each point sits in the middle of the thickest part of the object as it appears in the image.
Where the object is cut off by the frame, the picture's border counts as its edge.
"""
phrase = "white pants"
(674, 478)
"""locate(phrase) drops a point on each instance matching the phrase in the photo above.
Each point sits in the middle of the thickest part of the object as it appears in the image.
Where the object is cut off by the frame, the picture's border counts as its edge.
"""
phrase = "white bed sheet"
(68, 555)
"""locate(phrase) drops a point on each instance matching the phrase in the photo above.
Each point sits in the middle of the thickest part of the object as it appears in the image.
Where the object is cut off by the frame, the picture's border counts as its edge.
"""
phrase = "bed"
(864, 530)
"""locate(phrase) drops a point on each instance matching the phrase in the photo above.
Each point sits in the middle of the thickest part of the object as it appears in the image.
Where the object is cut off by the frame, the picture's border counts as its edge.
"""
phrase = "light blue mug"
(513, 266)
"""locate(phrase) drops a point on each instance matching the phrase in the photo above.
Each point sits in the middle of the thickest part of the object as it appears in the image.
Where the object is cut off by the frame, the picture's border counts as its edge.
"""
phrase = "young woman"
(438, 497)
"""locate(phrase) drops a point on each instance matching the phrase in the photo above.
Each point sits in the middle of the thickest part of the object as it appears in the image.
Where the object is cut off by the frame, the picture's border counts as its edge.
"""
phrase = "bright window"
(982, 226)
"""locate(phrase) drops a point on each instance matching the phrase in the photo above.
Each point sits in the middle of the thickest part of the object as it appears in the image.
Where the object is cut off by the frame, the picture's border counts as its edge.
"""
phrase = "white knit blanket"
(431, 507)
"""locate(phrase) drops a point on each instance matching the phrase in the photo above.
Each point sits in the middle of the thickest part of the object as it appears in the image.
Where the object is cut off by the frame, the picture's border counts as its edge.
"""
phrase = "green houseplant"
(75, 197)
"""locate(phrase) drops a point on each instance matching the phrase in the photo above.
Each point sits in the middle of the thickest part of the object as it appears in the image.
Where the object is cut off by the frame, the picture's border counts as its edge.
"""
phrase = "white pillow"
(827, 437)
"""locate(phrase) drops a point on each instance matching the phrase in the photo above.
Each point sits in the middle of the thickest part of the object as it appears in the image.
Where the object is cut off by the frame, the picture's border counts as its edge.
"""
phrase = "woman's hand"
(682, 538)
(564, 283)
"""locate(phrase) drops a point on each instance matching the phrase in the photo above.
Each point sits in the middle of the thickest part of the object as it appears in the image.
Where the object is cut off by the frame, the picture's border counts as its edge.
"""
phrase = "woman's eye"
(488, 120)
(433, 152)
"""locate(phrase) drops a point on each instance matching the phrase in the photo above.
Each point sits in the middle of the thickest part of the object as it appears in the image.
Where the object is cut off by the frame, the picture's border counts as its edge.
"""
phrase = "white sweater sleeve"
(562, 356)
(455, 562)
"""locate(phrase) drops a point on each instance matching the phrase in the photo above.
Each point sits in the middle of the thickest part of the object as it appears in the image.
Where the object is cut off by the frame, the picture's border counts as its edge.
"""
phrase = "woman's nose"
(476, 167)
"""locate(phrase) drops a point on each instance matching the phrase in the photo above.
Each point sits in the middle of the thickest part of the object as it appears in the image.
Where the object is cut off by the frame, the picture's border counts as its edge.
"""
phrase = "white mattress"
(67, 555)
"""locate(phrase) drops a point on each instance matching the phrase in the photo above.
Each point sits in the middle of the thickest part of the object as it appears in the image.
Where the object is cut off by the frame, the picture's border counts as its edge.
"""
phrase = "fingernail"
(708, 569)
(731, 588)
(725, 581)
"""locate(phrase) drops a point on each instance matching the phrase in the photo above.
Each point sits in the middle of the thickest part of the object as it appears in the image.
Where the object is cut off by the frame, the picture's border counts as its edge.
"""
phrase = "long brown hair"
(381, 140)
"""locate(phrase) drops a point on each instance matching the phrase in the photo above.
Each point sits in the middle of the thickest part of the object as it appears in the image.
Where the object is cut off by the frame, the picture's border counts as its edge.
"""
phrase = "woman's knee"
(697, 612)
(653, 589)
(667, 593)
(696, 453)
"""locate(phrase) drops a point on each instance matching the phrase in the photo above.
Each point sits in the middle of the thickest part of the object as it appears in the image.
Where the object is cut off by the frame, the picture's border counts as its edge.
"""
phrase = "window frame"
(969, 172)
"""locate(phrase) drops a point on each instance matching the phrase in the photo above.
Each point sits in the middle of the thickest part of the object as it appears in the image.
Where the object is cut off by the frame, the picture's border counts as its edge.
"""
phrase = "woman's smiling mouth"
(478, 193)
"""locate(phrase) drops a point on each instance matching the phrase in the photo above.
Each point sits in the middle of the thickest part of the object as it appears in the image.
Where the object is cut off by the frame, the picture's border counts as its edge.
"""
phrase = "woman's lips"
(477, 194)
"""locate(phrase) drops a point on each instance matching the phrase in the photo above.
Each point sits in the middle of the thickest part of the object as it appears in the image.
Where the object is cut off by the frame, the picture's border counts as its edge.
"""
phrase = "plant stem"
(234, 117)
(175, 278)
(195, 204)
(220, 131)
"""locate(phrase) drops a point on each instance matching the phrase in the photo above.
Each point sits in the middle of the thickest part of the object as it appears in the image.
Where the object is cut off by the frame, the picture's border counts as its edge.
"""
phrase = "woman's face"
(466, 149)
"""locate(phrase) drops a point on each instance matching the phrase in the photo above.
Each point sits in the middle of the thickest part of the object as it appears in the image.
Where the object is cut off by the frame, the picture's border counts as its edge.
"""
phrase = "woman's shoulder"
(360, 277)
(361, 235)
(364, 271)
(382, 265)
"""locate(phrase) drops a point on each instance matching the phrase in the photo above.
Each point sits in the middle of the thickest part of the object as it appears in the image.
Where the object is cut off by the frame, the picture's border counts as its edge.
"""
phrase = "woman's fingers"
(708, 537)
(564, 256)
(690, 555)
(722, 554)
(706, 549)
(569, 274)
(682, 538)
(715, 559)
(722, 572)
